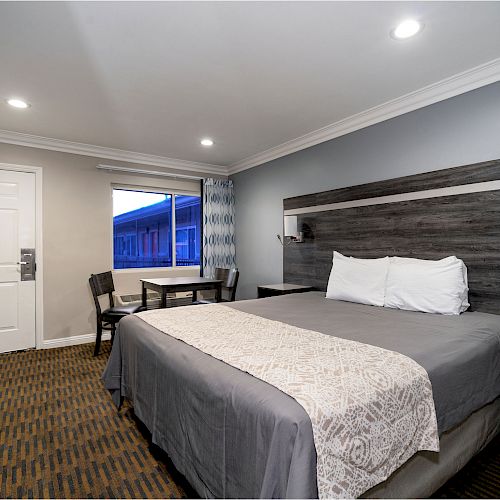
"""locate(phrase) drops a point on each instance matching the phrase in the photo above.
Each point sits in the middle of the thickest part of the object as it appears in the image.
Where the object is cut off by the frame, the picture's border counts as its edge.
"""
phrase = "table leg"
(163, 302)
(195, 295)
(218, 292)
(144, 296)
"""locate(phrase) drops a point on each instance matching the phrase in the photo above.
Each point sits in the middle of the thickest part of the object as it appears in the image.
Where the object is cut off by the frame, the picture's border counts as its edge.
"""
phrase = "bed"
(233, 434)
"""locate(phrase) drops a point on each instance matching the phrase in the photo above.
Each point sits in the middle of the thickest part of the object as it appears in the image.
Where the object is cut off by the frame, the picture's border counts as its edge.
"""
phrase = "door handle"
(27, 263)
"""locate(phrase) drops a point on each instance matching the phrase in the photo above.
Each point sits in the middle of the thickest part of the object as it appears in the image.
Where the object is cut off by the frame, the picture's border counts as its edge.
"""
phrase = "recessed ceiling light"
(207, 142)
(406, 29)
(18, 103)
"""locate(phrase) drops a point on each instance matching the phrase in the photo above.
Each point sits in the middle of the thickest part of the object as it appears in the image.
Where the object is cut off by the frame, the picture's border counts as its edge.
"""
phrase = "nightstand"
(281, 289)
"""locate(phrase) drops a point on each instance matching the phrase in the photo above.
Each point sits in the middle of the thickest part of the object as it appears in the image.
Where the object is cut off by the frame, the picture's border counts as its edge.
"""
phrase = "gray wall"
(77, 233)
(458, 131)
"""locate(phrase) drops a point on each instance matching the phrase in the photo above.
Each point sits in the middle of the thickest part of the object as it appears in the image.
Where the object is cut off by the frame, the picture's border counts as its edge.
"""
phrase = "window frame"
(162, 190)
(187, 228)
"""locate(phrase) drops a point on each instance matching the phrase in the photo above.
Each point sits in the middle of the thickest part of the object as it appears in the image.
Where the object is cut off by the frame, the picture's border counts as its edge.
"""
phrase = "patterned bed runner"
(371, 409)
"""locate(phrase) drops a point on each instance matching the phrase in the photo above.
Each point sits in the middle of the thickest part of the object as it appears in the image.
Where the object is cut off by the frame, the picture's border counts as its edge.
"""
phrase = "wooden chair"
(229, 279)
(102, 284)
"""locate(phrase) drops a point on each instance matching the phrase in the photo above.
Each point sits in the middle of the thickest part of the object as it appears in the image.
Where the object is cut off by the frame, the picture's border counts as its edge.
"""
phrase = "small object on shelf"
(281, 289)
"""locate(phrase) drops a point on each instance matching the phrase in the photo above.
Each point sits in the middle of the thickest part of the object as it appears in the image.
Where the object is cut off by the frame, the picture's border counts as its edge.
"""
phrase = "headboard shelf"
(455, 176)
(465, 225)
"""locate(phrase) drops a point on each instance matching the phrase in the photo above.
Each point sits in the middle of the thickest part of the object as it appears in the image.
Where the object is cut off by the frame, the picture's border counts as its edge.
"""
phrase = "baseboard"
(75, 340)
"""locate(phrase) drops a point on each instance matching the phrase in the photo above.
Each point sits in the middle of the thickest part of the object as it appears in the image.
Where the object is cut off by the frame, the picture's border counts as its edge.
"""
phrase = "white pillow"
(433, 286)
(358, 280)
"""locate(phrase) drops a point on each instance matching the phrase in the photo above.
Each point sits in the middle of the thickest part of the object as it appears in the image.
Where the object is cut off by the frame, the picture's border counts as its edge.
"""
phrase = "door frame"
(38, 171)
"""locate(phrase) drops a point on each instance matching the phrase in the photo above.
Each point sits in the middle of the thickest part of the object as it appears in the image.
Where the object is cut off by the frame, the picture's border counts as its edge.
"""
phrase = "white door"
(17, 265)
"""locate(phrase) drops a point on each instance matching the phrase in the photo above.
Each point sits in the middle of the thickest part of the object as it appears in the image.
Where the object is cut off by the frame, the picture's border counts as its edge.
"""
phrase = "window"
(187, 230)
(143, 234)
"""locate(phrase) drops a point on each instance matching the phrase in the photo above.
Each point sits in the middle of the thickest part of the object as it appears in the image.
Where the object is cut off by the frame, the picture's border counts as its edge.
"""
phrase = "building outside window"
(144, 234)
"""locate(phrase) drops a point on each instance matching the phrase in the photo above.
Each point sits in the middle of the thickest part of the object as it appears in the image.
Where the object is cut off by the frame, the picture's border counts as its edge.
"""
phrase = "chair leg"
(98, 339)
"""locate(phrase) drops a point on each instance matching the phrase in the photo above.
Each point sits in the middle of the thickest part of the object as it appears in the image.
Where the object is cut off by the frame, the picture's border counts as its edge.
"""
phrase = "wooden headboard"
(455, 211)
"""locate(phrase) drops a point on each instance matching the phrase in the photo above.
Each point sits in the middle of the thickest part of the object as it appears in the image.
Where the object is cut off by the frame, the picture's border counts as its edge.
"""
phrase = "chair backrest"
(229, 279)
(102, 284)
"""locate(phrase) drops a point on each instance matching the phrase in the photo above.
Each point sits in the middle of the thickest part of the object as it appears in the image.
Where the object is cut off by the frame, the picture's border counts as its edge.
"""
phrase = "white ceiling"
(156, 77)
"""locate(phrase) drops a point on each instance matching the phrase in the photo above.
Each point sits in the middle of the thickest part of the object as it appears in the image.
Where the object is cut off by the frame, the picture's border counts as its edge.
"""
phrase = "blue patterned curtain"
(218, 226)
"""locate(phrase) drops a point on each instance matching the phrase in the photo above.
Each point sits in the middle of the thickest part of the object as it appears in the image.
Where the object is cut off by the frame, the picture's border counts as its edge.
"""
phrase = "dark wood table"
(181, 284)
(281, 289)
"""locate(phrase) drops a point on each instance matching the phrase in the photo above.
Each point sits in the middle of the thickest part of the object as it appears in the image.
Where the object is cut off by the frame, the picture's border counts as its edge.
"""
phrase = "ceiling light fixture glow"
(18, 103)
(207, 142)
(406, 29)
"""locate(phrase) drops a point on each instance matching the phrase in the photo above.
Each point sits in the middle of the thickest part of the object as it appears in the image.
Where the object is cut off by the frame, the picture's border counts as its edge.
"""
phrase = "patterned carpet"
(61, 437)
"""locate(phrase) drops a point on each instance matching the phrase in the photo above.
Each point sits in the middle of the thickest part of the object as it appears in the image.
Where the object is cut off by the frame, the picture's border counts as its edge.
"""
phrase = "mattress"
(233, 435)
(461, 354)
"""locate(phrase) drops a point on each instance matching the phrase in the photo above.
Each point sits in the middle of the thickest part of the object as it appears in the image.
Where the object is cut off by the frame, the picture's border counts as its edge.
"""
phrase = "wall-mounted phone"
(28, 264)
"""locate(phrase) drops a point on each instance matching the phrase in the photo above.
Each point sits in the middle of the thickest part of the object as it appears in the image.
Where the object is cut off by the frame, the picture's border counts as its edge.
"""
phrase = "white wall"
(77, 233)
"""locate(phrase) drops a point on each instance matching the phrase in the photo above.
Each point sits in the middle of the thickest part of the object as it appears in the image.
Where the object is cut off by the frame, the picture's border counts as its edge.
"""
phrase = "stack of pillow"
(433, 286)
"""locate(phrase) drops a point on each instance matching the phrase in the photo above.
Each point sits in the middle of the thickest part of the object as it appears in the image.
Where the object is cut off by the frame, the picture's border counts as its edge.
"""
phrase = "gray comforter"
(233, 435)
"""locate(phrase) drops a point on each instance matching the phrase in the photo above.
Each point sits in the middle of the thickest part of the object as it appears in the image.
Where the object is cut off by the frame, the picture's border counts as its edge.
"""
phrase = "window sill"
(156, 269)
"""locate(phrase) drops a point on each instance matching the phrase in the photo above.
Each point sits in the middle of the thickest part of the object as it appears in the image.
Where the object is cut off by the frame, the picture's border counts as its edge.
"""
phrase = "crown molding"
(460, 83)
(78, 148)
